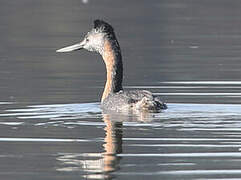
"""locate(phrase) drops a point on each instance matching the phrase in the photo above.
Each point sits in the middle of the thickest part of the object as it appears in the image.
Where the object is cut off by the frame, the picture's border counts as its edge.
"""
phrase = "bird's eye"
(87, 40)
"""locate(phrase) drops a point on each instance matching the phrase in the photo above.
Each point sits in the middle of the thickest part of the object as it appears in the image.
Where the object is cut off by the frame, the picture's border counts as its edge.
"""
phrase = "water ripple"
(176, 142)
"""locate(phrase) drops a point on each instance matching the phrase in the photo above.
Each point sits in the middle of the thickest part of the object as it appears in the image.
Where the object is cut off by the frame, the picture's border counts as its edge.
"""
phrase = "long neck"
(114, 68)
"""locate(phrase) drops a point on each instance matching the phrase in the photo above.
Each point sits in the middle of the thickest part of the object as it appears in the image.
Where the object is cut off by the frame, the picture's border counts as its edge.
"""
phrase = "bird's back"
(133, 100)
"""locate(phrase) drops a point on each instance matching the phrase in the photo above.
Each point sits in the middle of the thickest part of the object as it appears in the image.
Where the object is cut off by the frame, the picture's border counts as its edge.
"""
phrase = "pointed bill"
(74, 47)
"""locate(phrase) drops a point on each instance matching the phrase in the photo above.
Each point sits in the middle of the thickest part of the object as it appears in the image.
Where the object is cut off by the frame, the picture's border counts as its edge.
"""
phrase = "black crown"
(104, 26)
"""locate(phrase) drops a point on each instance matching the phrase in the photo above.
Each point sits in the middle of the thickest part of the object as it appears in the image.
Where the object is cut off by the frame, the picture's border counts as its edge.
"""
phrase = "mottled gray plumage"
(135, 99)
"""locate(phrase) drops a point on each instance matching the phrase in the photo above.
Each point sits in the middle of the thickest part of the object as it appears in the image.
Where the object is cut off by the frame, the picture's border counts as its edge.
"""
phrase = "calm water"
(51, 125)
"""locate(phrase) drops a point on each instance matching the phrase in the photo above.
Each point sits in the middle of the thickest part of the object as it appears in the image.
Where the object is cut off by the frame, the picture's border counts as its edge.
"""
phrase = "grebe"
(102, 39)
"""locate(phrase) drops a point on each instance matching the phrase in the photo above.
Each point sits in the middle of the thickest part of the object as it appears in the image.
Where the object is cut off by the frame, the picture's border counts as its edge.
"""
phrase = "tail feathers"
(150, 105)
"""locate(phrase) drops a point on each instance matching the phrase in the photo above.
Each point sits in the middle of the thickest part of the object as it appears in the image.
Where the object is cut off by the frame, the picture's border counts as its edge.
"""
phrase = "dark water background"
(51, 126)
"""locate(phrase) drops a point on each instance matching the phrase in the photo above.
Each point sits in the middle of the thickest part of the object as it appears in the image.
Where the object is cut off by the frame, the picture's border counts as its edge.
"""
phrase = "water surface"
(78, 140)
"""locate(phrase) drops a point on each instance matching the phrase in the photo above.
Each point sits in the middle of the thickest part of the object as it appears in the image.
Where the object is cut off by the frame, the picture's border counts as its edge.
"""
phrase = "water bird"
(102, 39)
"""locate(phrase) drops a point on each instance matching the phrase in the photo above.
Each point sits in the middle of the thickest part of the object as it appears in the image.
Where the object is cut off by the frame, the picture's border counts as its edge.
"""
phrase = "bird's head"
(94, 40)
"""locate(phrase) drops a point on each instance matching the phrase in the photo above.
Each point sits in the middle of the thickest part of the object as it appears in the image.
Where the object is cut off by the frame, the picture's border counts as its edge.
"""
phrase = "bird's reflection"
(102, 165)
(98, 165)
(112, 145)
